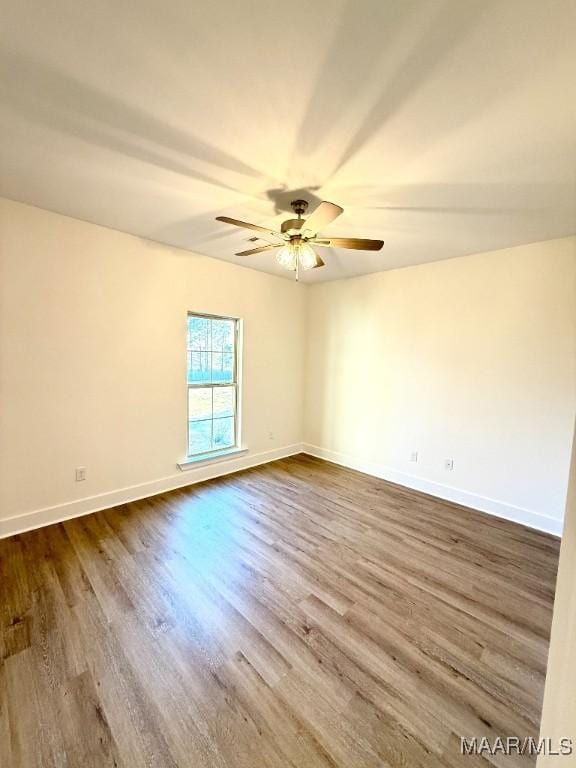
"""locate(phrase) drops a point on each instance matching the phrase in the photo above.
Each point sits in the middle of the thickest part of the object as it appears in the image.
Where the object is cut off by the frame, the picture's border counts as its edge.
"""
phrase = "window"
(212, 384)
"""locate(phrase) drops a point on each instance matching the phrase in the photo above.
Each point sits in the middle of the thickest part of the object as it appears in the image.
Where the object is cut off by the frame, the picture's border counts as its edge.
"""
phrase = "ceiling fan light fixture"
(297, 255)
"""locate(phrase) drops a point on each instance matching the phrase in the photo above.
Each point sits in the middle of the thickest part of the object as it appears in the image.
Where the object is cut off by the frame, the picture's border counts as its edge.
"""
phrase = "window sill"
(210, 458)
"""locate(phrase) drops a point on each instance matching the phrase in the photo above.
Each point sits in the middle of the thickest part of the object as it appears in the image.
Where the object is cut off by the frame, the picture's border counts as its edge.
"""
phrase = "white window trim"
(193, 460)
(215, 457)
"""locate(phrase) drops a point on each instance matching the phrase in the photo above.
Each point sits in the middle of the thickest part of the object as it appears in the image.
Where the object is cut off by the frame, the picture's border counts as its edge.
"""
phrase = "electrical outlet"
(414, 456)
(270, 435)
(449, 464)
(80, 474)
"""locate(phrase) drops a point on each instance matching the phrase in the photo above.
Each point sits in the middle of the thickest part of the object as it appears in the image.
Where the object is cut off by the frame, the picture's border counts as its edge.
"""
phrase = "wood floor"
(297, 614)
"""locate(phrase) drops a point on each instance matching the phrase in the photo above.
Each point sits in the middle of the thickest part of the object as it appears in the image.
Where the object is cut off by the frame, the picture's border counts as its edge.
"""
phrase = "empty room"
(287, 384)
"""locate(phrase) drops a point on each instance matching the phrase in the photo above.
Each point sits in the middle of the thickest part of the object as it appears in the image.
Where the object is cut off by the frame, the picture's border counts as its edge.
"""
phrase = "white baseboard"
(448, 493)
(60, 512)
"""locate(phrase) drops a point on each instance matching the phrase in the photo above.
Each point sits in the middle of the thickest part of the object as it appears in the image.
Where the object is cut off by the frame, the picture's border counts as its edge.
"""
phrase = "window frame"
(235, 384)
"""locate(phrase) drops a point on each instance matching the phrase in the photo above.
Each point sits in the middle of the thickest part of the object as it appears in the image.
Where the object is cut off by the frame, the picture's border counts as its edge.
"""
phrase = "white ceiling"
(445, 127)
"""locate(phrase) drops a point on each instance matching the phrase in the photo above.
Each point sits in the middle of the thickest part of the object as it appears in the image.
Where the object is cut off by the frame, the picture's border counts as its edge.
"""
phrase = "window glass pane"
(198, 367)
(212, 384)
(223, 401)
(199, 436)
(200, 403)
(223, 434)
(222, 367)
(198, 333)
(222, 336)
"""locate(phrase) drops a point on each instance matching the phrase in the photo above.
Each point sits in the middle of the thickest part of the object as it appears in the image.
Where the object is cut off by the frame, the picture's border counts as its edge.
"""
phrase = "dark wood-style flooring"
(296, 614)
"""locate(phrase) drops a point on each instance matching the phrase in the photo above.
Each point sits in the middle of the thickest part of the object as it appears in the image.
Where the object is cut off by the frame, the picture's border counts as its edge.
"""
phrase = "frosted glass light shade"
(295, 254)
(286, 257)
(306, 256)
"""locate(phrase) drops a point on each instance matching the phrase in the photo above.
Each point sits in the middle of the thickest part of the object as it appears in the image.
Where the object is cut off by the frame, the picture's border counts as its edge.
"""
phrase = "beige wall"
(93, 365)
(470, 359)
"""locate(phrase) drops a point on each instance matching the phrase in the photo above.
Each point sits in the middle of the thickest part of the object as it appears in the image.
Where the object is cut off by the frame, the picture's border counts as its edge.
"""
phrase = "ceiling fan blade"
(356, 243)
(319, 262)
(322, 216)
(247, 225)
(259, 250)
(265, 238)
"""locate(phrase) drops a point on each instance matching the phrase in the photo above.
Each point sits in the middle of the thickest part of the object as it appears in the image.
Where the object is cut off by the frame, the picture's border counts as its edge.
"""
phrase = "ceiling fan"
(297, 236)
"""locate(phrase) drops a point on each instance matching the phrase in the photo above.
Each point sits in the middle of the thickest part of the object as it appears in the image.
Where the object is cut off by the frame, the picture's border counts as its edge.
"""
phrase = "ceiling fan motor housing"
(291, 226)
